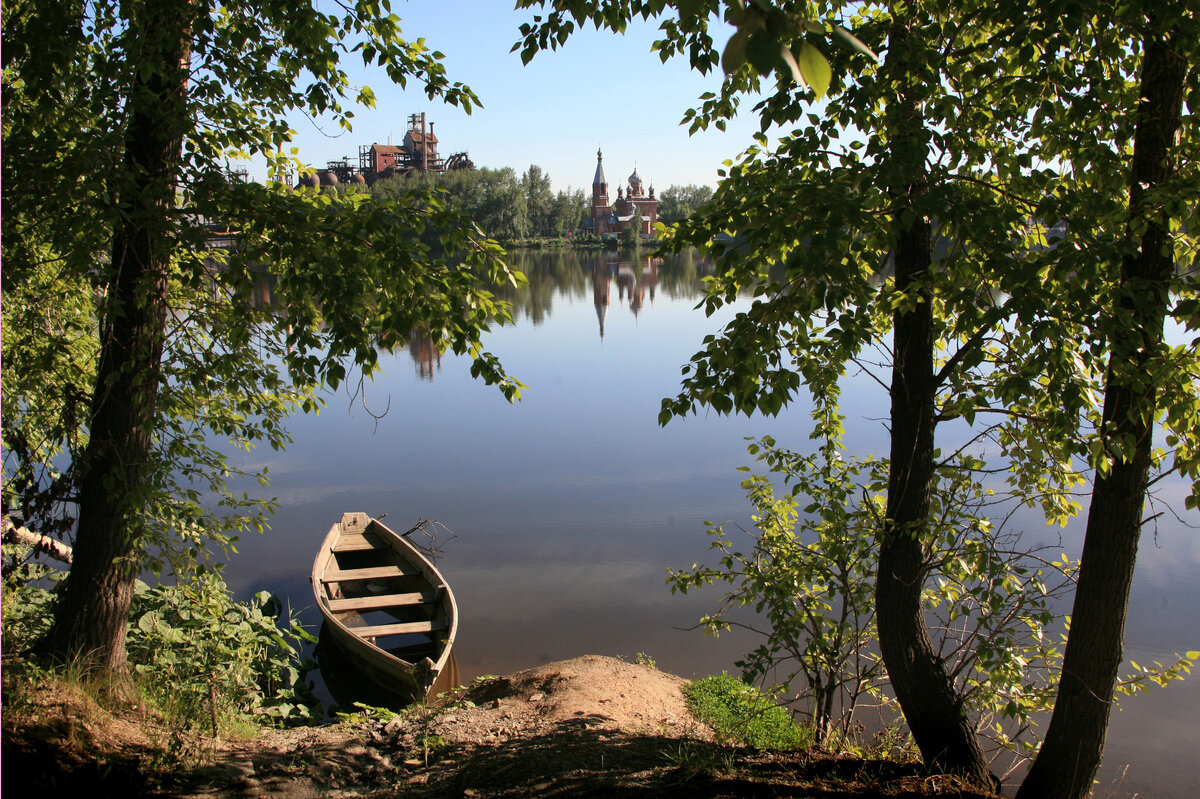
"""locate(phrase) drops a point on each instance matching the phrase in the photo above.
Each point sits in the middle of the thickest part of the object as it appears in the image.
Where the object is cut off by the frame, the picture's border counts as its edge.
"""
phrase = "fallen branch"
(40, 543)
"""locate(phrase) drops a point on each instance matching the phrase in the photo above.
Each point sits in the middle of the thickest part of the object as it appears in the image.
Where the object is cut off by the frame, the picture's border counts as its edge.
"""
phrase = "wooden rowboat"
(388, 608)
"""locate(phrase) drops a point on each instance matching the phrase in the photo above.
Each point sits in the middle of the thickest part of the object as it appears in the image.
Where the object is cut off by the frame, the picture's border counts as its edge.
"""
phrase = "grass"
(738, 712)
(693, 759)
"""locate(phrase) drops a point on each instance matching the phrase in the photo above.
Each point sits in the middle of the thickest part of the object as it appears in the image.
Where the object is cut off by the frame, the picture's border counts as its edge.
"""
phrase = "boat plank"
(402, 628)
(369, 573)
(357, 543)
(377, 602)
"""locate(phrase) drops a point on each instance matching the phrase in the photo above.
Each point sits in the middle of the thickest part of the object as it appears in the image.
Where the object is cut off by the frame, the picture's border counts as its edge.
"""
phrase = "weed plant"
(203, 655)
(739, 713)
(27, 605)
(197, 655)
(693, 759)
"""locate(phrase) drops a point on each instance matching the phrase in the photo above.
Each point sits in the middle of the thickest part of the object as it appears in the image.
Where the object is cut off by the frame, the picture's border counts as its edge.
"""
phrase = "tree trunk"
(923, 688)
(1074, 744)
(926, 694)
(92, 614)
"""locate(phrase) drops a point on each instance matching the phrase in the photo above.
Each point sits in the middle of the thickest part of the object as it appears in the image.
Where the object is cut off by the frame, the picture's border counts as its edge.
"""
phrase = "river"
(569, 507)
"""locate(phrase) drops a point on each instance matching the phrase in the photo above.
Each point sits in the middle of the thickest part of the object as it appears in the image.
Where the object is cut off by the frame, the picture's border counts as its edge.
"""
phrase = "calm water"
(569, 506)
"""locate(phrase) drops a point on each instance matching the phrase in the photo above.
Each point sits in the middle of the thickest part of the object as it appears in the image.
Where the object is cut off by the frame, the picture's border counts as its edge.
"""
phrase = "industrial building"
(417, 153)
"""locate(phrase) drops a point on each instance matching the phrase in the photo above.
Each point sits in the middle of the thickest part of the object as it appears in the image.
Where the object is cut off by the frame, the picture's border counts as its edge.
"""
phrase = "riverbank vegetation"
(206, 663)
(589, 726)
(524, 211)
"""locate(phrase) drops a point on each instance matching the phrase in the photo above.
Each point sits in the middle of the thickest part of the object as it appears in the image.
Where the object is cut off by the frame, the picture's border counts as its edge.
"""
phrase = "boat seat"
(402, 628)
(369, 573)
(379, 602)
(358, 543)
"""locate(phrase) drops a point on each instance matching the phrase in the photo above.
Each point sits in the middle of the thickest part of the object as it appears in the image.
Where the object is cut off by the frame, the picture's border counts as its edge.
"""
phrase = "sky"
(599, 90)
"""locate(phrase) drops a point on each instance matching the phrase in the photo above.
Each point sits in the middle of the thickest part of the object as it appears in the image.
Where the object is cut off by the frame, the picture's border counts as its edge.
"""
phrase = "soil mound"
(593, 691)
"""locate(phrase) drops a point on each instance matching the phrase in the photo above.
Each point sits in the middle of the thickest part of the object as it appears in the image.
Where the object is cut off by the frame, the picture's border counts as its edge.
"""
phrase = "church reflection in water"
(425, 354)
(635, 278)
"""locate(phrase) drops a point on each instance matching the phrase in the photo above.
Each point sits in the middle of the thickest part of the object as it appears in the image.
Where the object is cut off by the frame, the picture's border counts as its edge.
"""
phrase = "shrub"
(192, 649)
(808, 575)
(28, 607)
(738, 712)
(199, 653)
(809, 572)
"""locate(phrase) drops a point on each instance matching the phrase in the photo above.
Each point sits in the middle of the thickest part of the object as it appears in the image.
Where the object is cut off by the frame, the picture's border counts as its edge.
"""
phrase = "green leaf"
(734, 55)
(763, 51)
(815, 68)
(794, 68)
(854, 42)
(149, 622)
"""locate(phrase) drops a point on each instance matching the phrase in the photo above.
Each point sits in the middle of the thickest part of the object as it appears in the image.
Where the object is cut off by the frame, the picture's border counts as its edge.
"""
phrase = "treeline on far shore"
(524, 209)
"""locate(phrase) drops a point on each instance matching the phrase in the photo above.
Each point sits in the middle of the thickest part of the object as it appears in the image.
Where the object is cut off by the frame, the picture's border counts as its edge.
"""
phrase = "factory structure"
(417, 153)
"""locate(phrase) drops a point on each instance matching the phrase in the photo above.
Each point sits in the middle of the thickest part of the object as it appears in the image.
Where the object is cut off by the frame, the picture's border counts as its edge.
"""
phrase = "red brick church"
(633, 205)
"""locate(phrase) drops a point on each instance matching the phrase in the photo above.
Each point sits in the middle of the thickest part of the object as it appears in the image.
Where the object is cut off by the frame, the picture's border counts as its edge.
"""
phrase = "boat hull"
(387, 608)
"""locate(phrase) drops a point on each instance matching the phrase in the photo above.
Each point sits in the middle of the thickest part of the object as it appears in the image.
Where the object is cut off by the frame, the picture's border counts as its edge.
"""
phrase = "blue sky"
(599, 89)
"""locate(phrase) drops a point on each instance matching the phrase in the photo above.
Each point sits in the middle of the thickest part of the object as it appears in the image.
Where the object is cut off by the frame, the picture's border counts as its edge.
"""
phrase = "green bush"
(738, 712)
(193, 650)
(28, 607)
(191, 643)
(808, 574)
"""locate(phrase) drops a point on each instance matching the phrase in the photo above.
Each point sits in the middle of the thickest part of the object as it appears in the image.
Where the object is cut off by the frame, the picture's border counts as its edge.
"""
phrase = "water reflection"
(426, 355)
(565, 274)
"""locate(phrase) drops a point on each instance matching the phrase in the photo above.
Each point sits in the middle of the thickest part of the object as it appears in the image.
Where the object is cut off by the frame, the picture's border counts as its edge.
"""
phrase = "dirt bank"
(589, 727)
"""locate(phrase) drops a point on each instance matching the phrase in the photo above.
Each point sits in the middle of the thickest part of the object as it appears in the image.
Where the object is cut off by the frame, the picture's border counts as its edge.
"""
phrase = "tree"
(567, 211)
(631, 234)
(677, 203)
(120, 190)
(503, 211)
(924, 202)
(494, 199)
(1138, 387)
(538, 199)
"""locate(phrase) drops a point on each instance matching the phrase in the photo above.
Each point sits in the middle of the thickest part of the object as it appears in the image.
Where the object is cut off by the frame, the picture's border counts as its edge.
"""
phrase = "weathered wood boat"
(387, 607)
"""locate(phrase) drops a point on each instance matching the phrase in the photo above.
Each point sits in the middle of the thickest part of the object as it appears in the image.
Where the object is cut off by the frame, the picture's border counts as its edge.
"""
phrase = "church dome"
(635, 179)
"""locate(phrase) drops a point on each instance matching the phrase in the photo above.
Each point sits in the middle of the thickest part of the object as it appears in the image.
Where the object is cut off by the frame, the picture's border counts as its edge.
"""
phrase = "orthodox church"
(633, 205)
